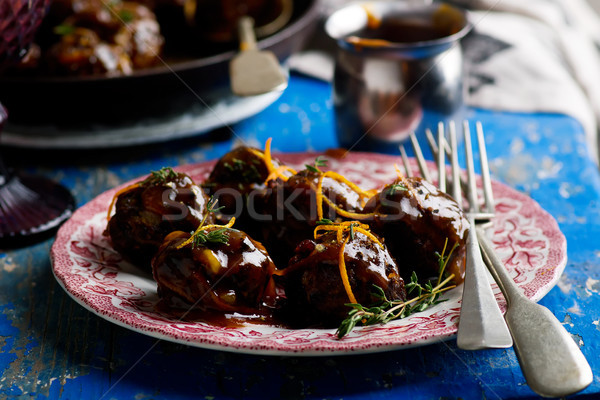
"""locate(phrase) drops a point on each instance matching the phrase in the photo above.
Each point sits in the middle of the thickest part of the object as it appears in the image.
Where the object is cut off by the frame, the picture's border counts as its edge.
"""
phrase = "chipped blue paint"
(51, 348)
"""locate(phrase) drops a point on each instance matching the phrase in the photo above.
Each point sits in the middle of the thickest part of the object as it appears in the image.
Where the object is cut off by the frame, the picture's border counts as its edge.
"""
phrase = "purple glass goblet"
(31, 207)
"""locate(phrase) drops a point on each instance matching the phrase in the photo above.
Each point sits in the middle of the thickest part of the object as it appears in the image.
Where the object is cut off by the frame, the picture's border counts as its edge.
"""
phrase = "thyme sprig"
(202, 236)
(63, 29)
(325, 221)
(216, 236)
(319, 162)
(163, 175)
(396, 187)
(248, 170)
(386, 310)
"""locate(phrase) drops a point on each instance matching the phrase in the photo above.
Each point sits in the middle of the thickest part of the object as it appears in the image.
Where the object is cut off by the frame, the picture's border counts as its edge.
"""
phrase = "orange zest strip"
(372, 192)
(324, 228)
(369, 235)
(278, 173)
(116, 196)
(319, 193)
(347, 214)
(364, 194)
(398, 172)
(344, 272)
(268, 159)
(342, 179)
(342, 227)
(274, 173)
(203, 228)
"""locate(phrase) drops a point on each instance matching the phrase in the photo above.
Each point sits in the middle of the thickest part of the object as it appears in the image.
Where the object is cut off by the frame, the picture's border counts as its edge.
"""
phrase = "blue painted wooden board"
(51, 347)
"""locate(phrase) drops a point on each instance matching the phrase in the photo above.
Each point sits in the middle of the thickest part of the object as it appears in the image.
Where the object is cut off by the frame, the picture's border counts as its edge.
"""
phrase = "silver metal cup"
(399, 68)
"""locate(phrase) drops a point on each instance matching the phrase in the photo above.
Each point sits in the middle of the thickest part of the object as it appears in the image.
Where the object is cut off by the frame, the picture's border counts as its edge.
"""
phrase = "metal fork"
(481, 323)
(551, 361)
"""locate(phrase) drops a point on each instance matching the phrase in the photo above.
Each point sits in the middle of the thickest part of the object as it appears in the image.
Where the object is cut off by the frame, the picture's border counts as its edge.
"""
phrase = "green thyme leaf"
(325, 221)
(396, 187)
(319, 162)
(64, 29)
(160, 177)
(216, 236)
(212, 205)
(126, 16)
(352, 230)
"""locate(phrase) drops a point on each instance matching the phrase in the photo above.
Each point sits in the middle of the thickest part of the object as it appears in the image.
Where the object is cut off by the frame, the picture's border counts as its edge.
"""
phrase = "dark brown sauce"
(218, 318)
(400, 31)
(444, 22)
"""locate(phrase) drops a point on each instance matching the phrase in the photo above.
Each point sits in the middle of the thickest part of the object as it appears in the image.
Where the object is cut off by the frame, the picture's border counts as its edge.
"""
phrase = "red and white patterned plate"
(525, 236)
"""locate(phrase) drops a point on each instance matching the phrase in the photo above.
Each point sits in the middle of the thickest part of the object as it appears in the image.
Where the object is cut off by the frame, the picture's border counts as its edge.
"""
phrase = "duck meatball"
(81, 52)
(418, 221)
(226, 271)
(293, 208)
(101, 38)
(319, 282)
(237, 178)
(147, 211)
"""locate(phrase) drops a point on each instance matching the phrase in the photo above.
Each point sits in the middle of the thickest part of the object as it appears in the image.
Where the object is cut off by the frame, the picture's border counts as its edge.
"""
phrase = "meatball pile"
(262, 238)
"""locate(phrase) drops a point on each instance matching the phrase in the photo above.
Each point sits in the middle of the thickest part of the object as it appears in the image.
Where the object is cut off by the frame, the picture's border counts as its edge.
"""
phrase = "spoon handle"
(551, 361)
(246, 33)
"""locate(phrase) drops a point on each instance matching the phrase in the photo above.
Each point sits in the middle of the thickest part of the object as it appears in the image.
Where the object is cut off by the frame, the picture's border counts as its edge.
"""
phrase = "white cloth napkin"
(523, 56)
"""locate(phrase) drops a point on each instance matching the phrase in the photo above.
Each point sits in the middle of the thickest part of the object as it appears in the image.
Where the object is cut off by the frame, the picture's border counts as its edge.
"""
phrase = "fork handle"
(551, 361)
(481, 325)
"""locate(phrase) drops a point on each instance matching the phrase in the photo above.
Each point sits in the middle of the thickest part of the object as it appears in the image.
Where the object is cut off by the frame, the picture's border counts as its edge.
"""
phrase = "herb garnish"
(325, 221)
(387, 310)
(248, 171)
(396, 187)
(319, 162)
(163, 175)
(217, 235)
(63, 29)
(159, 177)
(126, 16)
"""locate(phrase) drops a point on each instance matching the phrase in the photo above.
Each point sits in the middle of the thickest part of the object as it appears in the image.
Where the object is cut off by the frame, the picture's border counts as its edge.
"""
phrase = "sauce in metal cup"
(399, 68)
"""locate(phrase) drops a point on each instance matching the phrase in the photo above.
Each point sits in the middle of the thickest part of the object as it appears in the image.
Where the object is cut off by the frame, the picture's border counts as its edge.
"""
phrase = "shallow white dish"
(526, 238)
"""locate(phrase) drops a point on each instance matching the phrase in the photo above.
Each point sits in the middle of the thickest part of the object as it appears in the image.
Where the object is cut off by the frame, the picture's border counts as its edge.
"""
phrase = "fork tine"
(485, 170)
(456, 183)
(472, 188)
(441, 160)
(431, 141)
(420, 159)
(407, 168)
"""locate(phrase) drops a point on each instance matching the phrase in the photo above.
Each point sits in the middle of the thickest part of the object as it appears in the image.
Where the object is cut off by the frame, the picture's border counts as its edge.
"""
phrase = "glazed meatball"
(230, 275)
(140, 37)
(290, 210)
(237, 181)
(415, 219)
(97, 38)
(314, 285)
(148, 211)
(82, 53)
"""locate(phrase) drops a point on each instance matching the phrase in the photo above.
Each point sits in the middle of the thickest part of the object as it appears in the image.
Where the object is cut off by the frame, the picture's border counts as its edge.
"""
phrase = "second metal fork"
(481, 322)
(551, 361)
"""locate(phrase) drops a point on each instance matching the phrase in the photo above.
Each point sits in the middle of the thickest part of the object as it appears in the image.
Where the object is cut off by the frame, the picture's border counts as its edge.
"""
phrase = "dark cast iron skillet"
(156, 92)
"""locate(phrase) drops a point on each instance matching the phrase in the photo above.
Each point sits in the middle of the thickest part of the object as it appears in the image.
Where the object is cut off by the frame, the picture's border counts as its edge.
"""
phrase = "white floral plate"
(525, 236)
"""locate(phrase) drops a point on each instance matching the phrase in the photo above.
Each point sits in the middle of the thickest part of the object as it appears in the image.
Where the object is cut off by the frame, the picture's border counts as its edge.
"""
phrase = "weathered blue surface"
(51, 347)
